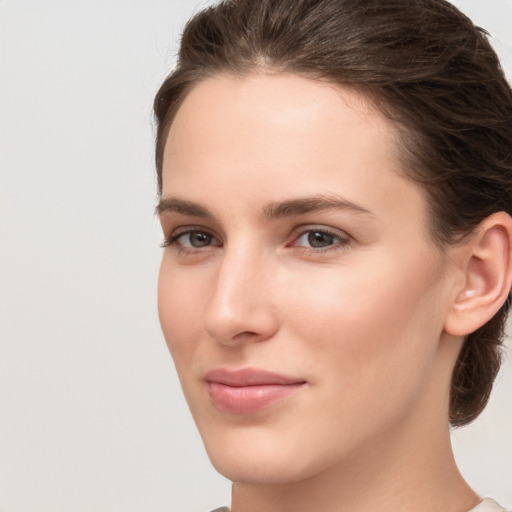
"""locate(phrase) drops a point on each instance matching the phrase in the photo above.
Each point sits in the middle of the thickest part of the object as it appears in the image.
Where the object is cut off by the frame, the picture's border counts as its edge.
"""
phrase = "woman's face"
(300, 294)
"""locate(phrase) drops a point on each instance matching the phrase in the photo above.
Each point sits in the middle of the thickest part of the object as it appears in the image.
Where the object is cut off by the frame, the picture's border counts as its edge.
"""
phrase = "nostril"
(245, 334)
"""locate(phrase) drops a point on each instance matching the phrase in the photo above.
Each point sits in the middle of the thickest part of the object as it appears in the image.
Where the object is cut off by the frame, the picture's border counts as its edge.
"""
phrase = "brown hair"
(424, 65)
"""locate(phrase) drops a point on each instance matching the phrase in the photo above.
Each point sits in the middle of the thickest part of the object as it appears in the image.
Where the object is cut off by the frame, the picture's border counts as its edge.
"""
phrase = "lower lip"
(247, 399)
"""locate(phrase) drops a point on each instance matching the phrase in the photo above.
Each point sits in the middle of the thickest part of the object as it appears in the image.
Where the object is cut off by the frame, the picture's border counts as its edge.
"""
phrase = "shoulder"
(221, 509)
(487, 505)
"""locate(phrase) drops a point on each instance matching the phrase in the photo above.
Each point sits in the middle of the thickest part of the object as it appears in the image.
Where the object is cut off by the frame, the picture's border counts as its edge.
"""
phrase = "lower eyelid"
(340, 238)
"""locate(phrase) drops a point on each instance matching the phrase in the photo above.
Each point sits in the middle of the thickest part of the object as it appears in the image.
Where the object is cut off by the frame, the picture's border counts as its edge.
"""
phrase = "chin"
(255, 456)
(258, 471)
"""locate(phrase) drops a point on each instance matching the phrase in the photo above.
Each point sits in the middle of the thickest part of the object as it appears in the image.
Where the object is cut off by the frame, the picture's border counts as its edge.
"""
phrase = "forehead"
(264, 102)
(269, 136)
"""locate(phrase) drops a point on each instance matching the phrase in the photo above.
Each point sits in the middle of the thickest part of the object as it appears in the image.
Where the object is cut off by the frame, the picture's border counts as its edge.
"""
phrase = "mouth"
(249, 390)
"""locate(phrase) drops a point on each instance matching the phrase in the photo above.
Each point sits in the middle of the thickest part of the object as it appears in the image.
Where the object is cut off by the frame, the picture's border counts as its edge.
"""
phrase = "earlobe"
(487, 271)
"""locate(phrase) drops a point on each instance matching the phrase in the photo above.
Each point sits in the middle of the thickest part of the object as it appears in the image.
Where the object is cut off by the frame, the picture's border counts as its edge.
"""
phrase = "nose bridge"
(240, 306)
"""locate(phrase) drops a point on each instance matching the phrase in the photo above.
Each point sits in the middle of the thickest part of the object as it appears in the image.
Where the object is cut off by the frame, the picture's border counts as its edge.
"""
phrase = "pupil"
(200, 239)
(319, 239)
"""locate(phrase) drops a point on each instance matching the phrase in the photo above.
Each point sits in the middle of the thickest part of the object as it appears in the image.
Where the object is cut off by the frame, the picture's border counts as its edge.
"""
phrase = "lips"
(249, 390)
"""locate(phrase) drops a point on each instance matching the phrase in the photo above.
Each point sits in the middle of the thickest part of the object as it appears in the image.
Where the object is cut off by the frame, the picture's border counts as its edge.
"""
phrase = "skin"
(361, 319)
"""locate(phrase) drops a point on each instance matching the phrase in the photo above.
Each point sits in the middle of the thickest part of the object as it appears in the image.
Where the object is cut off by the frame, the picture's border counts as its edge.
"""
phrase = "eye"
(195, 239)
(192, 239)
(320, 239)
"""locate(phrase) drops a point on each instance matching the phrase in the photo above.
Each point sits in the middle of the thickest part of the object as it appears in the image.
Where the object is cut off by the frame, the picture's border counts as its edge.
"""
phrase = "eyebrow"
(301, 206)
(275, 210)
(176, 205)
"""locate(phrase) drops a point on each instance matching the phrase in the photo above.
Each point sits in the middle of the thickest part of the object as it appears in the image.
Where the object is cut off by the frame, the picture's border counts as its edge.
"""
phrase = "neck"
(406, 471)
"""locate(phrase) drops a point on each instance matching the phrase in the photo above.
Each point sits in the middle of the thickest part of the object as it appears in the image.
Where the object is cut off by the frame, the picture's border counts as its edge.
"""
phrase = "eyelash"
(173, 239)
(340, 240)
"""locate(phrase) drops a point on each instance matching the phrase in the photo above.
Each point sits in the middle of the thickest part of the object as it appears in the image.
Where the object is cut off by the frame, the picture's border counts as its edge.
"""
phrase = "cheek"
(370, 322)
(370, 344)
(179, 309)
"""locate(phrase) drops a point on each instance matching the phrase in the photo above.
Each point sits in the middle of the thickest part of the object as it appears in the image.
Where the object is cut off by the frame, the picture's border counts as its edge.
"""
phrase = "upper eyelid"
(191, 227)
(300, 230)
(295, 233)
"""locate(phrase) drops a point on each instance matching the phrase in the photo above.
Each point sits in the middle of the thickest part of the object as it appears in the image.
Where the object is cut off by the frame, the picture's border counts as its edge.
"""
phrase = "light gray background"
(91, 415)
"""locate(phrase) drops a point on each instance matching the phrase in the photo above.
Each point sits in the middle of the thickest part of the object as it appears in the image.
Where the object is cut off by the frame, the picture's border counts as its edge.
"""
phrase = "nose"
(240, 309)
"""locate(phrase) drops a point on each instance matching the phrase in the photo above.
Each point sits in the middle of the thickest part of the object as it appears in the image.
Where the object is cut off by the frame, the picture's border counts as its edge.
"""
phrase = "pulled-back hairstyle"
(424, 65)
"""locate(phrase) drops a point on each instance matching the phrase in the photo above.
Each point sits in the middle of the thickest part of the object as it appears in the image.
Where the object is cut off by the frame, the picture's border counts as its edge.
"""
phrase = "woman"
(335, 182)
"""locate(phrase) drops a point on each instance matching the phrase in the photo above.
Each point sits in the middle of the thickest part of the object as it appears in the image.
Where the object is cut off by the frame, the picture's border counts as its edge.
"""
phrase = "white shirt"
(488, 505)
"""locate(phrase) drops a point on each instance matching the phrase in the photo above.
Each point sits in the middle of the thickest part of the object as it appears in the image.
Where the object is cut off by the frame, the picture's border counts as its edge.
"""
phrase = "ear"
(487, 268)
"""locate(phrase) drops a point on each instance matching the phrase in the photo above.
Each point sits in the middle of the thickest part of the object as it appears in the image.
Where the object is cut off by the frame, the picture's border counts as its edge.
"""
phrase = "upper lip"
(249, 377)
